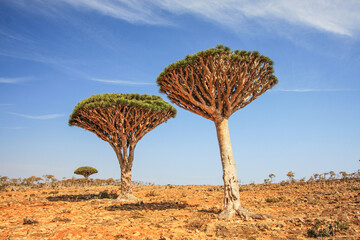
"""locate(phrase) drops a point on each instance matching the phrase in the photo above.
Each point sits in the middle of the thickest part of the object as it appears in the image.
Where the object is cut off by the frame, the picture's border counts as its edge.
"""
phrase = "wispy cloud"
(60, 64)
(336, 16)
(13, 80)
(314, 90)
(14, 36)
(339, 17)
(121, 82)
(135, 11)
(38, 117)
(12, 128)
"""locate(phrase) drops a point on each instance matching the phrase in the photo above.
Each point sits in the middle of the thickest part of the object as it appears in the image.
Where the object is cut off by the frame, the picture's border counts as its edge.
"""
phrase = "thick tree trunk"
(232, 205)
(231, 185)
(126, 190)
(126, 180)
(126, 163)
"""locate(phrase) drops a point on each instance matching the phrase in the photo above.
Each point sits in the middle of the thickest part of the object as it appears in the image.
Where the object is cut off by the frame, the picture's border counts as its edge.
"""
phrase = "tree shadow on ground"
(149, 206)
(83, 197)
(212, 210)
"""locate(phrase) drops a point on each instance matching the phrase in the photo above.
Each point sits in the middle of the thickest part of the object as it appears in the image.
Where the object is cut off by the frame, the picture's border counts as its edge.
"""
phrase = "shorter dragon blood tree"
(122, 120)
(86, 171)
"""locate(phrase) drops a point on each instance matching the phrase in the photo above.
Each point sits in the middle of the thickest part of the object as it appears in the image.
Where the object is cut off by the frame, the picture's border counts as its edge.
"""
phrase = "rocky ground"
(326, 210)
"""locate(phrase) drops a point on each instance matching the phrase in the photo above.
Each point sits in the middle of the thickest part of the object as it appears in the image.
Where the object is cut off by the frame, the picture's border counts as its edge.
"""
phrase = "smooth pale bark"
(231, 185)
(232, 205)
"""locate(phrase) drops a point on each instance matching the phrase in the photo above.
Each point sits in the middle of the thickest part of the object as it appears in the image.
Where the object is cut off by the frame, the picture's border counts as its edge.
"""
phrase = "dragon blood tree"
(122, 120)
(214, 84)
(86, 171)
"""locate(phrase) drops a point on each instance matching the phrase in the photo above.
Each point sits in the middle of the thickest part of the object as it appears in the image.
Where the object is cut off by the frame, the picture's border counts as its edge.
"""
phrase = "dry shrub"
(198, 223)
(29, 220)
(326, 228)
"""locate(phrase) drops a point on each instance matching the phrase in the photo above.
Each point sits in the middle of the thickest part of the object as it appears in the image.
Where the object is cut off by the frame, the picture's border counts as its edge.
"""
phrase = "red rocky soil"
(299, 210)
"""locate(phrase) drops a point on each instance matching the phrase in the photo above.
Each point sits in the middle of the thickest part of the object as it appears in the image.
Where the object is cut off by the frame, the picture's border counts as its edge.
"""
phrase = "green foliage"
(274, 199)
(223, 52)
(85, 171)
(110, 100)
(326, 229)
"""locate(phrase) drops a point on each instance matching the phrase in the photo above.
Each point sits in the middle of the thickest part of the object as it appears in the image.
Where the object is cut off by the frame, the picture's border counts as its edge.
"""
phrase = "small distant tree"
(122, 120)
(344, 174)
(86, 171)
(291, 175)
(332, 175)
(37, 180)
(110, 181)
(15, 181)
(49, 177)
(4, 179)
(316, 176)
(272, 176)
(326, 175)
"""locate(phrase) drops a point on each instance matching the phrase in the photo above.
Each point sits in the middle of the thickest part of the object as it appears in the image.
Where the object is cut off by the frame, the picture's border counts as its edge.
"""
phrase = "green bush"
(326, 229)
(274, 200)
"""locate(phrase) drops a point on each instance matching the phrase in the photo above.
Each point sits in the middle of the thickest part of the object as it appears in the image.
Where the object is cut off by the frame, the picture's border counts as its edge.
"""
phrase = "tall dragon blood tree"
(214, 84)
(122, 120)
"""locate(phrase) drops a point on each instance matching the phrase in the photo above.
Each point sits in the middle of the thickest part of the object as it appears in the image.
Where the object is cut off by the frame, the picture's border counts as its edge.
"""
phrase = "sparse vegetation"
(152, 193)
(29, 220)
(324, 228)
(272, 176)
(274, 199)
(49, 181)
(291, 176)
(179, 212)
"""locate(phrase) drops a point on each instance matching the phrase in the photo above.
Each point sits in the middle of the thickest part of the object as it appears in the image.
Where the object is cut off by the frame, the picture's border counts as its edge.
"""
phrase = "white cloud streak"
(135, 11)
(12, 128)
(121, 82)
(13, 36)
(12, 80)
(335, 16)
(313, 90)
(60, 64)
(38, 117)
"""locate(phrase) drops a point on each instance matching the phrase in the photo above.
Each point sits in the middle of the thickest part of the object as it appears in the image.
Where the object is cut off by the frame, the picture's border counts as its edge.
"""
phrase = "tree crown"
(85, 171)
(221, 51)
(217, 82)
(109, 100)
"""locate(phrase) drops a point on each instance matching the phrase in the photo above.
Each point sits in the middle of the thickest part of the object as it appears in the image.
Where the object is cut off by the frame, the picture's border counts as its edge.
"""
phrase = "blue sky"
(55, 53)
